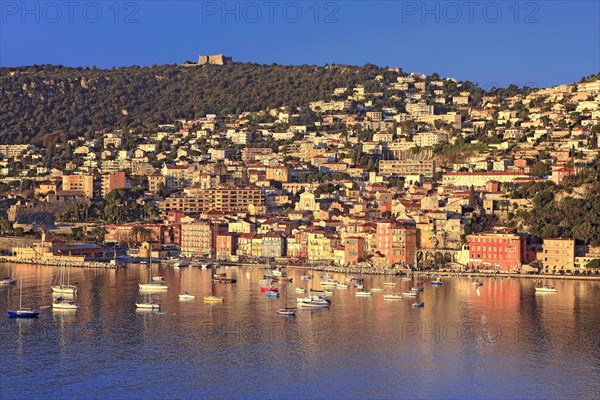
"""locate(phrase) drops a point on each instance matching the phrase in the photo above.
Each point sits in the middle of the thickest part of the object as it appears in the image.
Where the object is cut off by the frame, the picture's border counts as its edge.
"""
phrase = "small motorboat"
(329, 282)
(60, 303)
(358, 286)
(478, 283)
(313, 302)
(409, 294)
(158, 279)
(355, 278)
(342, 286)
(392, 296)
(272, 294)
(187, 296)
(268, 289)
(418, 304)
(437, 281)
(213, 299)
(363, 293)
(377, 289)
(287, 311)
(389, 284)
(7, 281)
(300, 290)
(325, 276)
(546, 289)
(417, 289)
(149, 305)
(306, 277)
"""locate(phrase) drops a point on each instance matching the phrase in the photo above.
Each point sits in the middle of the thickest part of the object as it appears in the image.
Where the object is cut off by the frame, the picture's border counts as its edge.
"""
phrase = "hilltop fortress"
(218, 59)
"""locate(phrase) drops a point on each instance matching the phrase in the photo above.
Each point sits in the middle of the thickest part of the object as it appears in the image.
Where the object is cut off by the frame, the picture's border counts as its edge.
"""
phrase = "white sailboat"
(312, 301)
(61, 287)
(153, 286)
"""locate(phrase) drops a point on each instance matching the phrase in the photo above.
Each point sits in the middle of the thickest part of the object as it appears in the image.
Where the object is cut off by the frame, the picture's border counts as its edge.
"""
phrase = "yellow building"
(319, 247)
(80, 183)
(558, 254)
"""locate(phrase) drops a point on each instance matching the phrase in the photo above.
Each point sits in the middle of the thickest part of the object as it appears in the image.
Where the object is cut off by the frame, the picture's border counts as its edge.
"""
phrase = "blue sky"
(539, 43)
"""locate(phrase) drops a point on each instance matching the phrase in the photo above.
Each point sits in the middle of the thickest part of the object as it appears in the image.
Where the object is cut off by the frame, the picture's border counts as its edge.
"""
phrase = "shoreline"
(320, 268)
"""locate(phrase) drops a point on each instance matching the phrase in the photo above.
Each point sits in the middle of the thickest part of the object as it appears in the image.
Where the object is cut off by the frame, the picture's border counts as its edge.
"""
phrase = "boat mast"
(21, 294)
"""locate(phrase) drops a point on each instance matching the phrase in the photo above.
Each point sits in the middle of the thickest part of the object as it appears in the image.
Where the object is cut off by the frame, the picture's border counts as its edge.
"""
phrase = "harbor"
(384, 337)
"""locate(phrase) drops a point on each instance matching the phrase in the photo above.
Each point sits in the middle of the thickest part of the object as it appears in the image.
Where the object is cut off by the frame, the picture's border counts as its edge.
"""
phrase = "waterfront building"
(496, 251)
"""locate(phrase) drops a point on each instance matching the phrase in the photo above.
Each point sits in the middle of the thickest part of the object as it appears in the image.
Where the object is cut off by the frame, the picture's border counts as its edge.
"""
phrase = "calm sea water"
(500, 341)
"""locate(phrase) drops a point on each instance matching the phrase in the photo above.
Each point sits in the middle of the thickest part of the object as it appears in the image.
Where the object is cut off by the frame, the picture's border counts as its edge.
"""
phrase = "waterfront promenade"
(319, 268)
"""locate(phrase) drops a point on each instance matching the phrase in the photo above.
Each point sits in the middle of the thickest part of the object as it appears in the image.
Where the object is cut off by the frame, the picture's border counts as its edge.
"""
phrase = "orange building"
(354, 249)
(225, 246)
(496, 251)
(396, 241)
(115, 181)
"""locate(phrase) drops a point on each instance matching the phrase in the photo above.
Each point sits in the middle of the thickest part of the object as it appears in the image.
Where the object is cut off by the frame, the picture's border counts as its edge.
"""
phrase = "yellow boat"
(213, 299)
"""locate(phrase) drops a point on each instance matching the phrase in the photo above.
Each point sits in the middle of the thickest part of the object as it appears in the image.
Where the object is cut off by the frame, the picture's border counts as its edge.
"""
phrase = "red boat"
(268, 289)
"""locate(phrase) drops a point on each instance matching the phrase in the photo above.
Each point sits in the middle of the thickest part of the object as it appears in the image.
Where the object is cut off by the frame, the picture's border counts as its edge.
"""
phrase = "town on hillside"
(404, 172)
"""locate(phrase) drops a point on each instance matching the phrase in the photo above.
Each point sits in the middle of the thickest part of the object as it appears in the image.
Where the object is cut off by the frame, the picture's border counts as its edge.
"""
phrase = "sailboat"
(212, 298)
(153, 286)
(8, 281)
(362, 292)
(61, 287)
(287, 310)
(313, 301)
(22, 312)
(147, 304)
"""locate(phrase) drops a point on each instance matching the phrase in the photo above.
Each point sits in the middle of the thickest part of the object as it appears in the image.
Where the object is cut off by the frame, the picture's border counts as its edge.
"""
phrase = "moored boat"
(287, 311)
(22, 312)
(389, 284)
(546, 289)
(187, 296)
(329, 282)
(437, 281)
(363, 293)
(148, 305)
(64, 304)
(409, 294)
(313, 302)
(418, 304)
(272, 294)
(392, 296)
(213, 299)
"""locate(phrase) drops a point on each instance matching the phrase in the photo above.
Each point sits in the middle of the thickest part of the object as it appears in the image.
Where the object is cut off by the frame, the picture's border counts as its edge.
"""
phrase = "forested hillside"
(38, 100)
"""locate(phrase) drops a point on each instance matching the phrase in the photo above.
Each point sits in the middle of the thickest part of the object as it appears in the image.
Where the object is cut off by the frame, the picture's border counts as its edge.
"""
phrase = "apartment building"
(82, 183)
(234, 200)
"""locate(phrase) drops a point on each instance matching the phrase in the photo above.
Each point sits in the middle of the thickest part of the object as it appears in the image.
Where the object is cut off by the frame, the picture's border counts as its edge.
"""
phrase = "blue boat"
(272, 294)
(22, 312)
(419, 304)
(437, 282)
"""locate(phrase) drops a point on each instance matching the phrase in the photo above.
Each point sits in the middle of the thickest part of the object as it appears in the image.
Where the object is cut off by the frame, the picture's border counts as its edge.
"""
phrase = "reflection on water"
(499, 341)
